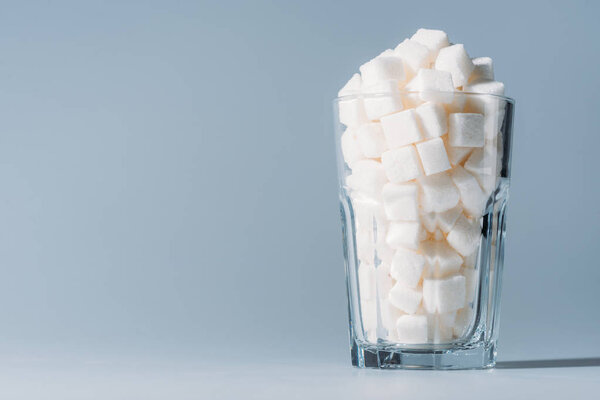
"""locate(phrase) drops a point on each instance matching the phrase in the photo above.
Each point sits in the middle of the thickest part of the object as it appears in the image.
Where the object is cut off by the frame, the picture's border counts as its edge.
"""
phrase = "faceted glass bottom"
(369, 356)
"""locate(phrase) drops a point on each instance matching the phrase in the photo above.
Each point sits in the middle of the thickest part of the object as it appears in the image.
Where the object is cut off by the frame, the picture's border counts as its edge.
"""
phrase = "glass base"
(370, 356)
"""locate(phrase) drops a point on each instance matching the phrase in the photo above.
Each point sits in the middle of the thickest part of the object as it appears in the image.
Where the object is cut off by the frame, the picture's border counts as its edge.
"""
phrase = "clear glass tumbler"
(424, 179)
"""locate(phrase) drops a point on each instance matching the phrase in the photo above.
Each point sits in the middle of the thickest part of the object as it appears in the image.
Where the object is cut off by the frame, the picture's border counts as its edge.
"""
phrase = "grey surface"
(169, 190)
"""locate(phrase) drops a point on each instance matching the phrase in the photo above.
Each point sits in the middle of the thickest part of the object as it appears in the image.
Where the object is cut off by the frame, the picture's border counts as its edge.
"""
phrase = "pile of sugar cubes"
(421, 159)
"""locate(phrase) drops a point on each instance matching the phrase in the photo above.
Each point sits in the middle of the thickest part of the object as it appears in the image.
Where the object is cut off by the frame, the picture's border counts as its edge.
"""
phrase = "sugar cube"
(405, 298)
(444, 295)
(464, 318)
(371, 140)
(352, 87)
(407, 267)
(368, 176)
(458, 104)
(438, 193)
(464, 236)
(446, 220)
(404, 234)
(457, 155)
(440, 327)
(432, 118)
(382, 98)
(384, 252)
(432, 38)
(414, 55)
(384, 280)
(454, 59)
(412, 329)
(472, 282)
(485, 87)
(383, 68)
(401, 128)
(352, 112)
(442, 259)
(365, 246)
(433, 85)
(484, 69)
(350, 147)
(401, 164)
(400, 201)
(367, 210)
(368, 313)
(465, 130)
(389, 317)
(472, 197)
(433, 156)
(482, 161)
(429, 221)
(470, 260)
(366, 281)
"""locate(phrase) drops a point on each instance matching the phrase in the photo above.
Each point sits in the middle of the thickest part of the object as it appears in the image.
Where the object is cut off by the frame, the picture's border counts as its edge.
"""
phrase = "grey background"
(169, 190)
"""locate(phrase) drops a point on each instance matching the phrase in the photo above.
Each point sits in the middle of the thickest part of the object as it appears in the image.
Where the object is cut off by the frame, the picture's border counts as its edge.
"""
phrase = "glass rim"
(401, 92)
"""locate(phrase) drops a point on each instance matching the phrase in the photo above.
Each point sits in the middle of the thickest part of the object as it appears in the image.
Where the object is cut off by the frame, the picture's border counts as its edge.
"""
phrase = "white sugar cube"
(465, 235)
(387, 53)
(465, 130)
(389, 317)
(432, 38)
(485, 87)
(384, 252)
(414, 55)
(454, 59)
(464, 318)
(400, 201)
(379, 106)
(412, 329)
(493, 110)
(438, 193)
(429, 221)
(382, 68)
(442, 259)
(382, 98)
(352, 87)
(438, 235)
(471, 260)
(433, 85)
(401, 128)
(404, 234)
(366, 281)
(472, 282)
(350, 147)
(458, 104)
(432, 117)
(444, 295)
(457, 155)
(446, 220)
(407, 267)
(368, 176)
(352, 112)
(367, 210)
(384, 281)
(433, 156)
(440, 327)
(368, 312)
(401, 164)
(405, 298)
(484, 69)
(482, 161)
(365, 246)
(371, 140)
(472, 197)
(443, 220)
